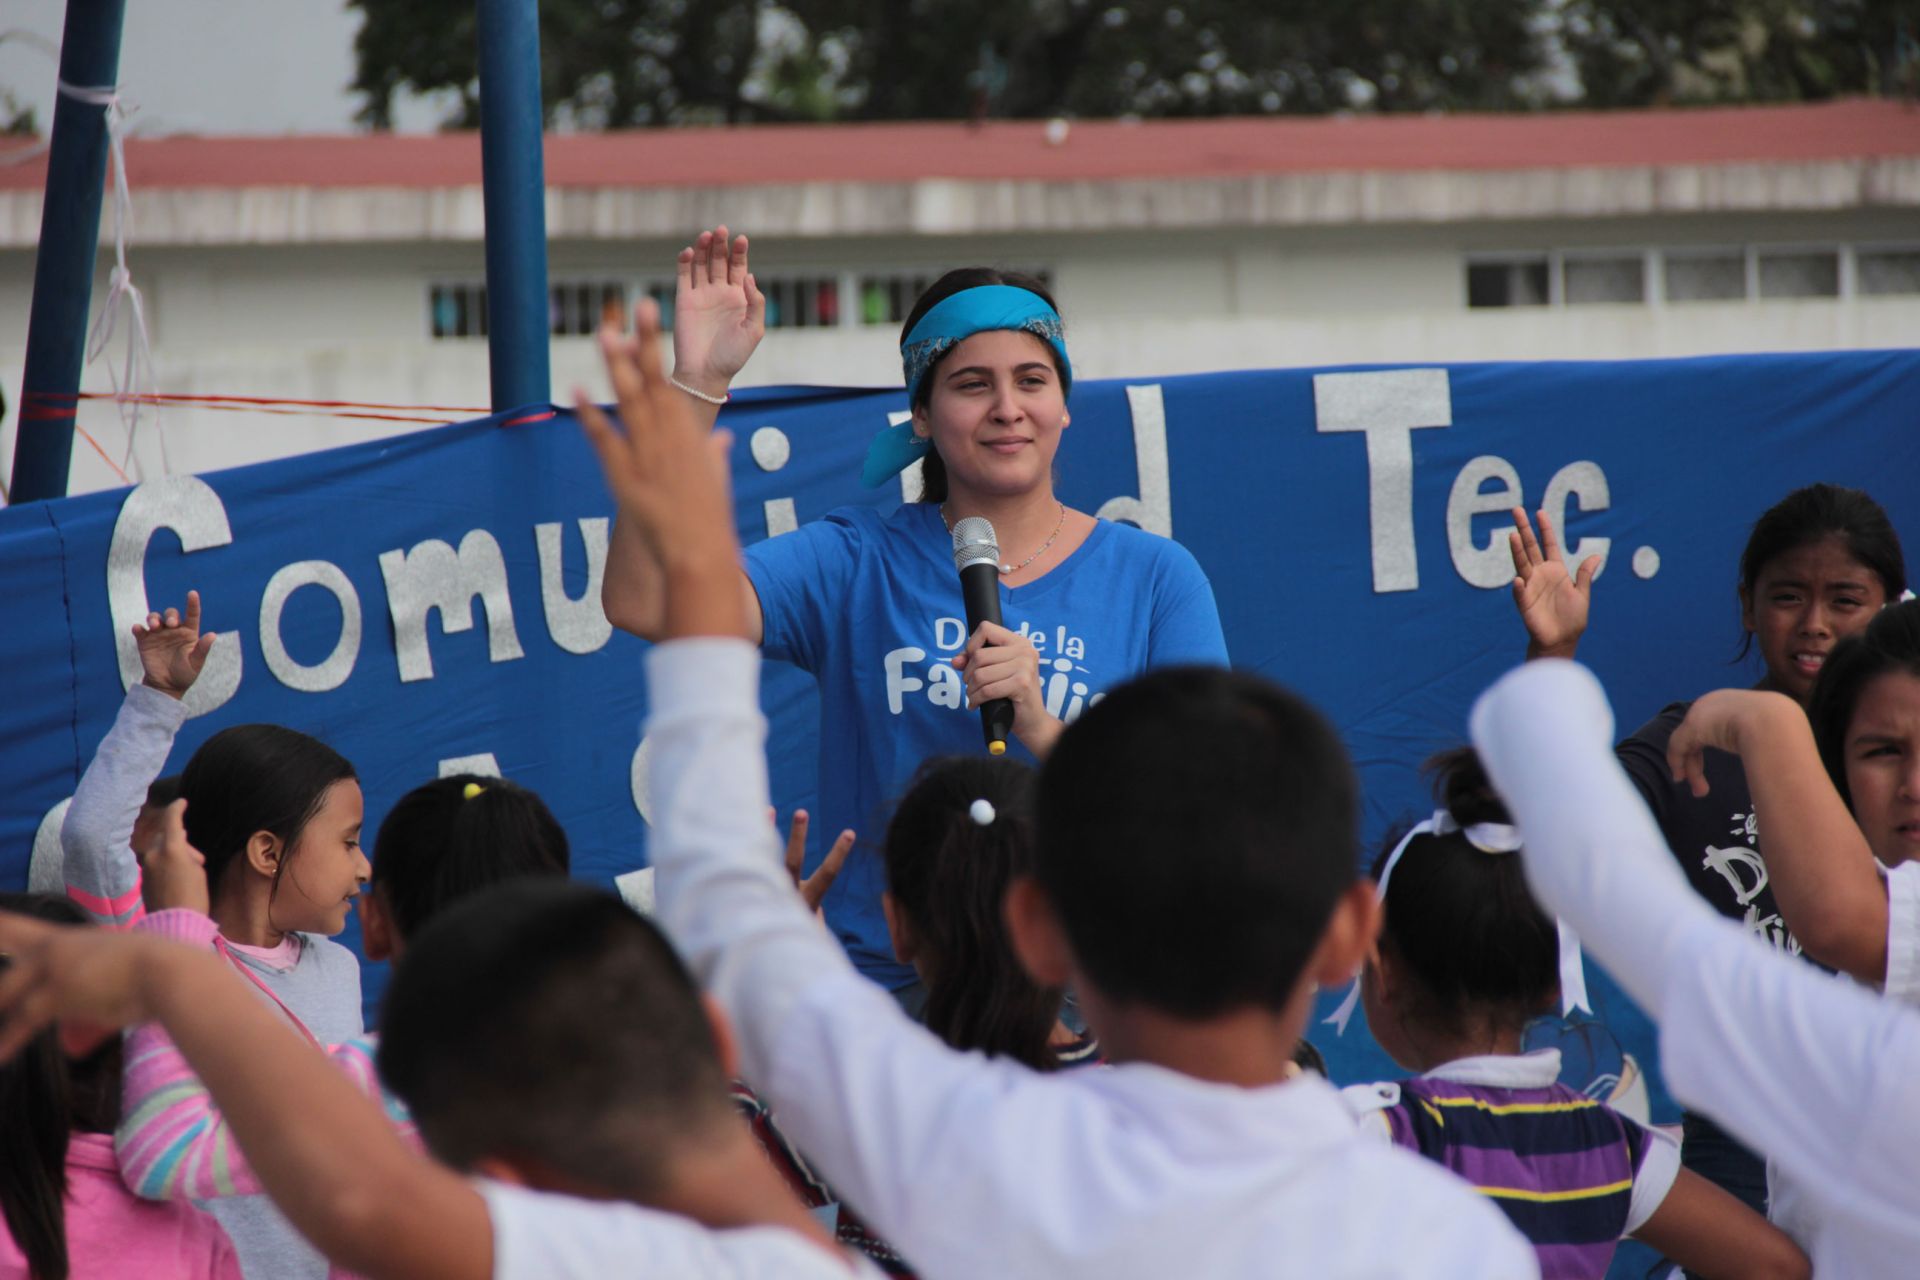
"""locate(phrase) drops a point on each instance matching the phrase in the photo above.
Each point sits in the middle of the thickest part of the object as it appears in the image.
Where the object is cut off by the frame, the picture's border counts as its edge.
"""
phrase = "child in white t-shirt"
(552, 1049)
(1193, 881)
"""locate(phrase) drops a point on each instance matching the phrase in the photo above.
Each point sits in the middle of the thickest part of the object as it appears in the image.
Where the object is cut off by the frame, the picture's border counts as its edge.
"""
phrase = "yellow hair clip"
(471, 790)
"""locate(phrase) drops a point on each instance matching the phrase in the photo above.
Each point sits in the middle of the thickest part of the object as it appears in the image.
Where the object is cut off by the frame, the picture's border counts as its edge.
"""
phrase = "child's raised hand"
(671, 481)
(1721, 721)
(172, 872)
(1552, 603)
(172, 650)
(813, 888)
(719, 313)
(84, 977)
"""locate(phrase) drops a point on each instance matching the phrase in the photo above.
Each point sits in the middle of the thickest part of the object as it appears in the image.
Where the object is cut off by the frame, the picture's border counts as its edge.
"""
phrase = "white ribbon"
(133, 382)
(1491, 838)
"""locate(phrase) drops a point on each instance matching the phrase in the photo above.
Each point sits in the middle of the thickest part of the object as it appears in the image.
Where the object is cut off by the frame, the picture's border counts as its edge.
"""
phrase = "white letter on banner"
(1491, 565)
(46, 871)
(1388, 406)
(483, 764)
(1587, 480)
(1153, 509)
(331, 672)
(578, 626)
(188, 506)
(433, 576)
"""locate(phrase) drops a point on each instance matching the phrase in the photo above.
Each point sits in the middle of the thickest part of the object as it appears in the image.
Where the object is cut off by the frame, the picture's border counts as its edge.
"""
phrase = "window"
(1513, 283)
(887, 298)
(574, 307)
(1612, 279)
(457, 310)
(1800, 274)
(1888, 271)
(1717, 276)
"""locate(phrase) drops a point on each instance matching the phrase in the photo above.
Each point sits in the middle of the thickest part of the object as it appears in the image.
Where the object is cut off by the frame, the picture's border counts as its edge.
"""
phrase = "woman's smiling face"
(995, 412)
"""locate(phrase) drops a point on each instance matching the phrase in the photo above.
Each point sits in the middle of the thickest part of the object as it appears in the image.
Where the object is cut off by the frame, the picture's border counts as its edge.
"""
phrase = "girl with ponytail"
(67, 1211)
(958, 839)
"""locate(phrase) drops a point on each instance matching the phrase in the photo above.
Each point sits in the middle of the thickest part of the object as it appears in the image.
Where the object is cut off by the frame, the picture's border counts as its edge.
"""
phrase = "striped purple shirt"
(1571, 1173)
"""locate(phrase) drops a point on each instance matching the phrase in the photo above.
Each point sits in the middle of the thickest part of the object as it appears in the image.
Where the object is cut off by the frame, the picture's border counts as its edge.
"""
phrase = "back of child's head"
(1890, 643)
(252, 778)
(449, 838)
(958, 838)
(1460, 919)
(1196, 829)
(545, 1021)
(44, 1098)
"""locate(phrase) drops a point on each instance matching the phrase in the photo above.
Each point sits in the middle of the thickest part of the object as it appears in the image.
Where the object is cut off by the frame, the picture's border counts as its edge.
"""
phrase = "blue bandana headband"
(947, 323)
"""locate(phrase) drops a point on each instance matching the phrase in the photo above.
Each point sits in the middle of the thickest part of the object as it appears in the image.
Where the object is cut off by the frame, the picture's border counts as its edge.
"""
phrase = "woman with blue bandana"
(868, 601)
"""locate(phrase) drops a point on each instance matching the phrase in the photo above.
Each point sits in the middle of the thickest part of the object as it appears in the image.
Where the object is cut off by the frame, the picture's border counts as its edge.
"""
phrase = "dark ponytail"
(1462, 921)
(438, 845)
(948, 875)
(44, 1098)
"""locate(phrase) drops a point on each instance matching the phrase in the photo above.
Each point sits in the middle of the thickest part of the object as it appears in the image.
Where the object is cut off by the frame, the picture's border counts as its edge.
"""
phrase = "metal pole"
(514, 179)
(63, 268)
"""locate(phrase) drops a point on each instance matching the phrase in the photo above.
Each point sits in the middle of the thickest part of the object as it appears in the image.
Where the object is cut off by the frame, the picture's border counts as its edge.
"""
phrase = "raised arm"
(1821, 871)
(326, 1155)
(1805, 1068)
(1552, 605)
(97, 859)
(719, 317)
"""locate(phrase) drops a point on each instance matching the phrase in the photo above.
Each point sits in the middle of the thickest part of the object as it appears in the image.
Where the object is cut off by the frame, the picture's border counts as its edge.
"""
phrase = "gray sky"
(213, 66)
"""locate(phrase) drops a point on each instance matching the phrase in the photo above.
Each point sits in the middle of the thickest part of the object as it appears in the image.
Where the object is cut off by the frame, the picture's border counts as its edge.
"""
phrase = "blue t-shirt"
(870, 604)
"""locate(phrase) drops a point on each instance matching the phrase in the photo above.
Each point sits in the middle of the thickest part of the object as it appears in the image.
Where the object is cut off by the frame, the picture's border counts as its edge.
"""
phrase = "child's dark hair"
(255, 777)
(1196, 828)
(545, 1020)
(162, 792)
(1462, 921)
(1814, 514)
(1891, 642)
(45, 1097)
(933, 470)
(438, 845)
(949, 875)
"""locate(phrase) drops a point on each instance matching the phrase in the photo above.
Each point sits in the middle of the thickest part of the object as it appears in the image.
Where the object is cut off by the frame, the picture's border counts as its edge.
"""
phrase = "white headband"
(1490, 838)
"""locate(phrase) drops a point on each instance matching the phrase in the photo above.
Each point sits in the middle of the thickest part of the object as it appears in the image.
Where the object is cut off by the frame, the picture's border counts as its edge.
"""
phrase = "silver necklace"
(1006, 569)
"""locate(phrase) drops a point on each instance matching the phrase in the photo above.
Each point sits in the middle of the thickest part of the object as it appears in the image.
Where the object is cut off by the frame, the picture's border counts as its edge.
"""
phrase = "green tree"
(1659, 52)
(610, 63)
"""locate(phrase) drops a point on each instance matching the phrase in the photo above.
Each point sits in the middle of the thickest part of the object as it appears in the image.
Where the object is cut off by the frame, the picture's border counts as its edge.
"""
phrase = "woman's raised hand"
(719, 313)
(1552, 603)
(669, 476)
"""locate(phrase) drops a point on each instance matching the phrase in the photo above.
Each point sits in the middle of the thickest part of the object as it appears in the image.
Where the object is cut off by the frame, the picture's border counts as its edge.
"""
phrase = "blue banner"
(432, 600)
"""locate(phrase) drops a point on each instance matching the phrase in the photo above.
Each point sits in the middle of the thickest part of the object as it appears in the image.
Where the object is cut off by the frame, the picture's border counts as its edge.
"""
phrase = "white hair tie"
(1492, 838)
(981, 811)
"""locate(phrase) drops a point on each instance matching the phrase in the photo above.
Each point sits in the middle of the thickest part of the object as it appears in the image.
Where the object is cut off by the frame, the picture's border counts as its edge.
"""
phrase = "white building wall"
(349, 321)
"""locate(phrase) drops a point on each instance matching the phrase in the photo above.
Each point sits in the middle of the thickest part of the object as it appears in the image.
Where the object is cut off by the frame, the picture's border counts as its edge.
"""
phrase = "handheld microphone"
(976, 553)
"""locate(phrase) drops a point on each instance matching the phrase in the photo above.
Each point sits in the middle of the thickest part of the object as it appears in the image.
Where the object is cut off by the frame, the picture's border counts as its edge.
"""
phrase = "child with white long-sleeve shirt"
(1809, 1069)
(1194, 882)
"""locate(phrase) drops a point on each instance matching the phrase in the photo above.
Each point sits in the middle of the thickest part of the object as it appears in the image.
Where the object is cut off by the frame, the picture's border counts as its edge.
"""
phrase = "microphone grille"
(974, 542)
